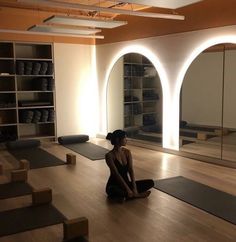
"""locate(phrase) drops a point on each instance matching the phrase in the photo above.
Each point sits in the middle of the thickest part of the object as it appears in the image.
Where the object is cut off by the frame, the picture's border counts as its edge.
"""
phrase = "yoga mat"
(37, 157)
(14, 189)
(213, 201)
(89, 150)
(28, 218)
(207, 129)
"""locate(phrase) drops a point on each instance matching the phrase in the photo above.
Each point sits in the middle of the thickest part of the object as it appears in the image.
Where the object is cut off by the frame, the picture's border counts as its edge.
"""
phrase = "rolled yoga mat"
(211, 200)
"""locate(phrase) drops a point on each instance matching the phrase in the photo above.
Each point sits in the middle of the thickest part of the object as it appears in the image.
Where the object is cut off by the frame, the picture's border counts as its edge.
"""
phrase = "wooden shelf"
(15, 58)
(137, 87)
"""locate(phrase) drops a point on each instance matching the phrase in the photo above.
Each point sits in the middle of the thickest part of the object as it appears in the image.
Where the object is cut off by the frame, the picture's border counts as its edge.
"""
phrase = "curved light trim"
(182, 73)
(163, 78)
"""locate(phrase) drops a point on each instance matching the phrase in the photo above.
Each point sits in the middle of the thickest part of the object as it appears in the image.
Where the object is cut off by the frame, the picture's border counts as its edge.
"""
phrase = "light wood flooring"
(79, 191)
(212, 147)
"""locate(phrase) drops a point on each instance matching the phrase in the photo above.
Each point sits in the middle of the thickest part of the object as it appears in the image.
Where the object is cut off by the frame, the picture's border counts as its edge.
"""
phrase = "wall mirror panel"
(207, 116)
(134, 98)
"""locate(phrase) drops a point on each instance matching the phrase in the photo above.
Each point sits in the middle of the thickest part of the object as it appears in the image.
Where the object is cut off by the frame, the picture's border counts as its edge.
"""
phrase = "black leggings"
(114, 191)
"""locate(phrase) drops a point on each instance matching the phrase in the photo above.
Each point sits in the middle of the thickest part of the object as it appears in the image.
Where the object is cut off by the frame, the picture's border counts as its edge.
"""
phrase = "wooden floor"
(79, 191)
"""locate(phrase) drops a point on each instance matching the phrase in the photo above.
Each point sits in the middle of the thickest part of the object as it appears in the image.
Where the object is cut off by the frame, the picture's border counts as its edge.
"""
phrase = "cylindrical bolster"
(71, 139)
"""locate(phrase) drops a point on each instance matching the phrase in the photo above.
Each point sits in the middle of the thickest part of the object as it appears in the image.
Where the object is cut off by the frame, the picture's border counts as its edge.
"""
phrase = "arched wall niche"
(208, 128)
(174, 53)
(146, 53)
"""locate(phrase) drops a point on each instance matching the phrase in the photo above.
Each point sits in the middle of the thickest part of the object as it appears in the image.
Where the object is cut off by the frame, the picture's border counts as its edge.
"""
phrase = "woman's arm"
(131, 169)
(115, 173)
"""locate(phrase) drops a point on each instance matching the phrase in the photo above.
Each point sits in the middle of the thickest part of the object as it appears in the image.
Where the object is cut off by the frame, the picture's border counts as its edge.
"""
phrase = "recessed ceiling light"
(64, 30)
(84, 22)
(14, 31)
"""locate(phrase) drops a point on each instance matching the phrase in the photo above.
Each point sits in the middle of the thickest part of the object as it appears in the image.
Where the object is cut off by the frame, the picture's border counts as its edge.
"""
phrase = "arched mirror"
(134, 98)
(207, 116)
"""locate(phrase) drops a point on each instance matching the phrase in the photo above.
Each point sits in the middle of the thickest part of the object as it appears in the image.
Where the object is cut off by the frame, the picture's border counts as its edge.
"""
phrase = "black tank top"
(123, 171)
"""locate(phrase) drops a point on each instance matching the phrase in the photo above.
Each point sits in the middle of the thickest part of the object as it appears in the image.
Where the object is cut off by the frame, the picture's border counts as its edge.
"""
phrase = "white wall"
(202, 90)
(171, 55)
(76, 89)
(115, 91)
(230, 90)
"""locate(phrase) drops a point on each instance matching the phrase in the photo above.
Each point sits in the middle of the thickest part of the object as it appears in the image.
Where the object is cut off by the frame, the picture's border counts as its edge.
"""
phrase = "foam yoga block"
(22, 144)
(70, 139)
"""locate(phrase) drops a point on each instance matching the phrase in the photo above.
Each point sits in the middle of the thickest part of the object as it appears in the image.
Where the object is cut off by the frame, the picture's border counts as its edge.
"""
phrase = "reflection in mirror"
(134, 98)
(229, 111)
(201, 103)
(207, 120)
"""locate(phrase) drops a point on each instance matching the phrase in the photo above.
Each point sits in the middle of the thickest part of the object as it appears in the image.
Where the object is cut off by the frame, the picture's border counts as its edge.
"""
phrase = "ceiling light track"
(77, 6)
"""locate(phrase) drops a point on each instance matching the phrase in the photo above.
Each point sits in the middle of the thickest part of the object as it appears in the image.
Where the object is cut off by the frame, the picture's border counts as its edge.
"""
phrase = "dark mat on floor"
(146, 137)
(27, 218)
(89, 150)
(14, 189)
(37, 157)
(218, 203)
(207, 129)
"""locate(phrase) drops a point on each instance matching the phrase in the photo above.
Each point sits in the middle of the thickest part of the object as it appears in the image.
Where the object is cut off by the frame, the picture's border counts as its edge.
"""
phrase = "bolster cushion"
(22, 144)
(71, 139)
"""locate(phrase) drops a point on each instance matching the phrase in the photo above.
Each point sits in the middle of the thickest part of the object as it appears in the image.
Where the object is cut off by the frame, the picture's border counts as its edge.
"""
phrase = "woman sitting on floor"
(121, 184)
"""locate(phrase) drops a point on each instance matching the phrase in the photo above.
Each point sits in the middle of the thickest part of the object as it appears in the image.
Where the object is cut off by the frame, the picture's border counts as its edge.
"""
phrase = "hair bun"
(109, 136)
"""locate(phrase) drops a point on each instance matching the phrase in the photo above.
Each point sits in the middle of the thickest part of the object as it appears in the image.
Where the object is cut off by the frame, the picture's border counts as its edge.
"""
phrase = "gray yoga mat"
(37, 157)
(89, 150)
(14, 189)
(28, 218)
(213, 201)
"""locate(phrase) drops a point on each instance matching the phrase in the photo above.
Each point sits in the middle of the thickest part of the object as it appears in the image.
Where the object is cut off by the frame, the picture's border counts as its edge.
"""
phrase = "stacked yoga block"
(34, 68)
(43, 84)
(36, 116)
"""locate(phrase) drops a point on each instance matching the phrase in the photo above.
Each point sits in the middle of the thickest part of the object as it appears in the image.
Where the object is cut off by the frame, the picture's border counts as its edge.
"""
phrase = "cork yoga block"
(71, 159)
(41, 196)
(19, 175)
(24, 164)
(74, 228)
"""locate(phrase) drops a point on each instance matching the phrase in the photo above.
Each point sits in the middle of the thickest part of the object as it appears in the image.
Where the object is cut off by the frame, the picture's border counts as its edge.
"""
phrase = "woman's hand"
(135, 192)
(130, 194)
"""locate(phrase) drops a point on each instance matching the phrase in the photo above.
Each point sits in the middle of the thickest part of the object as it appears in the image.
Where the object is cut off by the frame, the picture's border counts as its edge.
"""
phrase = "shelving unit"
(142, 93)
(27, 93)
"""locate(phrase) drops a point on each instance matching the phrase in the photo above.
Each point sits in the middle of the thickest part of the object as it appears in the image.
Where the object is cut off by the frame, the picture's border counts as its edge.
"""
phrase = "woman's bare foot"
(143, 194)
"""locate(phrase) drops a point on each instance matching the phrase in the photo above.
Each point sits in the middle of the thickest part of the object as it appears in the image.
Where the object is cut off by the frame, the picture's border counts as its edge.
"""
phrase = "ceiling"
(199, 15)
